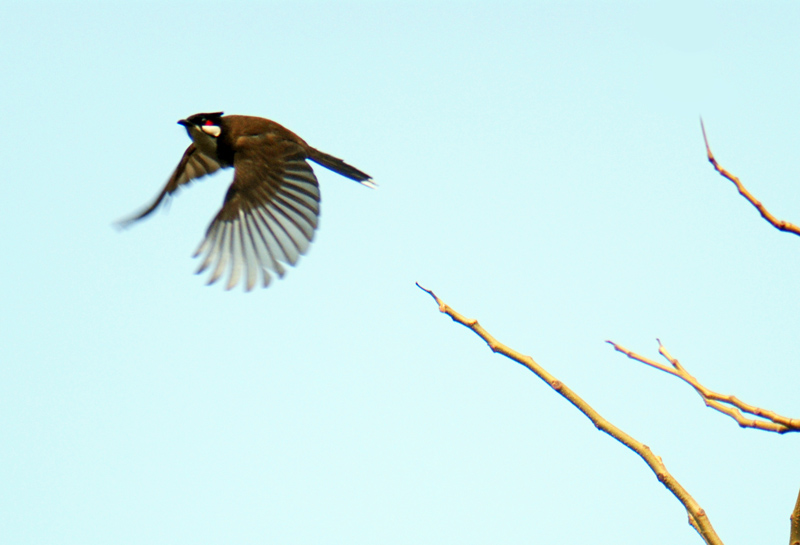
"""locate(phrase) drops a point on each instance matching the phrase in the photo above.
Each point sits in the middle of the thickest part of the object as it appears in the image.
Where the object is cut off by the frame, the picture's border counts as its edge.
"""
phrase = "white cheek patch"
(213, 130)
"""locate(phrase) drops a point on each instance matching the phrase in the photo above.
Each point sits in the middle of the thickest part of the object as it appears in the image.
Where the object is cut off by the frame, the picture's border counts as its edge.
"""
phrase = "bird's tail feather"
(340, 167)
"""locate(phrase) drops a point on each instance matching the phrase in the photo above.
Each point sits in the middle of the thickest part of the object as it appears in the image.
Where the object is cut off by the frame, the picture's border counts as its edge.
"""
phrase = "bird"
(271, 209)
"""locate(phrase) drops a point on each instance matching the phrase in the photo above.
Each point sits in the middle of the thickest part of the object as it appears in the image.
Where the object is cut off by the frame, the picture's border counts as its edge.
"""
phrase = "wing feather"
(193, 165)
(269, 214)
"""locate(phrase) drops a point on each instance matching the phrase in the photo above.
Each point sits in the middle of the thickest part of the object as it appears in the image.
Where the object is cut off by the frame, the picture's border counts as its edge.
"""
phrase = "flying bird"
(272, 206)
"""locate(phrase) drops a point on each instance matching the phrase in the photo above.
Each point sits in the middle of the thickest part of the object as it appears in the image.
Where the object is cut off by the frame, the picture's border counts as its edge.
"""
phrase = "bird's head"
(204, 129)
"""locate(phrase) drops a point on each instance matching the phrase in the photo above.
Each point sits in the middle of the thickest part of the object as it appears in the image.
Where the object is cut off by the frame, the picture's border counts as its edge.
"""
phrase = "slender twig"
(726, 404)
(730, 405)
(697, 516)
(794, 536)
(778, 224)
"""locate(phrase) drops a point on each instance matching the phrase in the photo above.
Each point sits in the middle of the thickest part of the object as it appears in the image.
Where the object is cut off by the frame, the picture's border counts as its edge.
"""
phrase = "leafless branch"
(726, 404)
(794, 536)
(697, 516)
(778, 224)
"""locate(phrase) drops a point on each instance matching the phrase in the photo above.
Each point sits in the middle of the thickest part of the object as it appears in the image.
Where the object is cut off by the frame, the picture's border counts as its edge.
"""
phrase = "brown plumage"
(271, 209)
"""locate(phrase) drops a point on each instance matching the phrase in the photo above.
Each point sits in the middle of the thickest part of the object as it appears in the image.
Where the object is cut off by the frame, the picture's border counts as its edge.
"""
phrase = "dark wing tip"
(122, 225)
(126, 222)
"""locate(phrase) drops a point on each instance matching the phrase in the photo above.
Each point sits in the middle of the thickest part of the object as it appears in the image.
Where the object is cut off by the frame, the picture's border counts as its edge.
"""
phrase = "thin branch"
(794, 536)
(778, 224)
(697, 516)
(726, 404)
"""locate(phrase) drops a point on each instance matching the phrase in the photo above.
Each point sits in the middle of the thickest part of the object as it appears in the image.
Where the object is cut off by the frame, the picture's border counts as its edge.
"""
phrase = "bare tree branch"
(778, 224)
(794, 536)
(697, 516)
(726, 404)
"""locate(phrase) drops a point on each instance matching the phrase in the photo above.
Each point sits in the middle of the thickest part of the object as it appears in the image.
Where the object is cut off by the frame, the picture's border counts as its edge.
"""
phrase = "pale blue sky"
(541, 167)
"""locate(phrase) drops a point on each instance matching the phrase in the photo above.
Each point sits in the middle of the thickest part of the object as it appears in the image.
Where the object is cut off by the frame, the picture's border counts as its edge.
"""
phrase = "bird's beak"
(183, 122)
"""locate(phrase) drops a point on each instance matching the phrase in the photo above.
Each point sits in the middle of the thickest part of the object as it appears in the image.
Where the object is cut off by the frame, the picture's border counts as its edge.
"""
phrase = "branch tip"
(429, 292)
(781, 225)
(442, 307)
(705, 139)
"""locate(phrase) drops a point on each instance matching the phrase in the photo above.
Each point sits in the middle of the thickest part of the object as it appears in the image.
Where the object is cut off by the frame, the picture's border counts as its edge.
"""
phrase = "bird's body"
(271, 209)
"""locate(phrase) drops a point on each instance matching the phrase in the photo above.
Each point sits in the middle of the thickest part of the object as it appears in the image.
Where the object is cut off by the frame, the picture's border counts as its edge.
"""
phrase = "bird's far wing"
(194, 164)
(269, 214)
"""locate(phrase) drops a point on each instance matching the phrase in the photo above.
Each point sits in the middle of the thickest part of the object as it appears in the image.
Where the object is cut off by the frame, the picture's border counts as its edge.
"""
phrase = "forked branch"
(726, 404)
(778, 224)
(697, 516)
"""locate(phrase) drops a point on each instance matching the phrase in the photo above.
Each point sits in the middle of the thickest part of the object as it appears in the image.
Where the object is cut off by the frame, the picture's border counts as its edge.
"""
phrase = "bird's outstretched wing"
(194, 164)
(269, 214)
